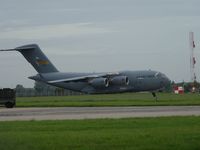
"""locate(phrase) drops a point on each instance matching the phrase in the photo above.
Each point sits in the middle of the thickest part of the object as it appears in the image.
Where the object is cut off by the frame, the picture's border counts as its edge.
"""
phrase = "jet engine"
(99, 82)
(119, 80)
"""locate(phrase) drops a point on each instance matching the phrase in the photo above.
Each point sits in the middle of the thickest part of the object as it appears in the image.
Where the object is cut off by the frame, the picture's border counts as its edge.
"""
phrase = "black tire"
(9, 105)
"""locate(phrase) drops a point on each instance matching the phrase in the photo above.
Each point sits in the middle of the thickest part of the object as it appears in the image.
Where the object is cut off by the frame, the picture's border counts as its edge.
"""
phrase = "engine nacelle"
(119, 80)
(99, 82)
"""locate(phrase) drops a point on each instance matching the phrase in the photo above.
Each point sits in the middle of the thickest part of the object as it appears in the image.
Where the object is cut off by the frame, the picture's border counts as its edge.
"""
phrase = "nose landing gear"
(155, 96)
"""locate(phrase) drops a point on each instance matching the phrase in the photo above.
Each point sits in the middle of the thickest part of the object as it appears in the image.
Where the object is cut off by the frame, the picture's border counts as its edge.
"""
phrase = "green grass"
(126, 99)
(167, 133)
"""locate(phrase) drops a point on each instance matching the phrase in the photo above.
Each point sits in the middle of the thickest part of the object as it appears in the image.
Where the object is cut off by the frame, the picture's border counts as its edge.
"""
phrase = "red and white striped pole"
(192, 58)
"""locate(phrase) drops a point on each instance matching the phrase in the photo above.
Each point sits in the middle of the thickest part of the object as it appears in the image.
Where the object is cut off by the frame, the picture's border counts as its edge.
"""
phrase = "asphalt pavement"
(63, 113)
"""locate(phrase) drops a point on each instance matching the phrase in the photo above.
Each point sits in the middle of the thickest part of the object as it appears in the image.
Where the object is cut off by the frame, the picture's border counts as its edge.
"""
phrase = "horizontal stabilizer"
(4, 50)
(18, 49)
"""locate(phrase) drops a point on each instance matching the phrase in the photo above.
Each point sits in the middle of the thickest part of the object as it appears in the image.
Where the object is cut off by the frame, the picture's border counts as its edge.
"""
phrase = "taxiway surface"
(62, 113)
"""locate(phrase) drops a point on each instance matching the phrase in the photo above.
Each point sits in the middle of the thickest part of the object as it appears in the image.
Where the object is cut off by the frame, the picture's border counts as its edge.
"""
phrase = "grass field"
(167, 133)
(126, 99)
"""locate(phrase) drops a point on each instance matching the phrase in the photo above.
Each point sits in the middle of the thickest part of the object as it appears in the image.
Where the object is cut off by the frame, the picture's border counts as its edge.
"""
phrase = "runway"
(63, 113)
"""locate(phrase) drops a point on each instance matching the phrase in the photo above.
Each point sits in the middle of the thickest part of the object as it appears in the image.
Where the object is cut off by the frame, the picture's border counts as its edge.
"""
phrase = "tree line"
(42, 89)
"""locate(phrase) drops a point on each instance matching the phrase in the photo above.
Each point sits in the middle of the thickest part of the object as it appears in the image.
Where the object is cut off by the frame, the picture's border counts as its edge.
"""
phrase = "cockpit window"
(145, 76)
(158, 75)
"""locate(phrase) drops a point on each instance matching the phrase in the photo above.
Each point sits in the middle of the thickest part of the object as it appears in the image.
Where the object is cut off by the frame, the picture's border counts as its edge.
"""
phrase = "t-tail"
(36, 58)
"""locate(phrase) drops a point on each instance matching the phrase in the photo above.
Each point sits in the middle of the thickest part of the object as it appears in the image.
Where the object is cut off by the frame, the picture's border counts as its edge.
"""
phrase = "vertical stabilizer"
(37, 58)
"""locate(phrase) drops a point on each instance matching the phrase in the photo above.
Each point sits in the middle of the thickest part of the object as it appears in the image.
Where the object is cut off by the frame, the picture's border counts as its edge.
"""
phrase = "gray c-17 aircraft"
(91, 83)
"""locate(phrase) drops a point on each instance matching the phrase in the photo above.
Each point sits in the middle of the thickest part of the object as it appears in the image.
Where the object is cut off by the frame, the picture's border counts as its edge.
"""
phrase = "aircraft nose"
(167, 81)
(164, 82)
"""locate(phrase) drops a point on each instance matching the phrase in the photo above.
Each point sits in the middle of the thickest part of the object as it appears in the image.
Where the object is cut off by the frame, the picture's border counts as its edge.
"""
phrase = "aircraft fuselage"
(137, 81)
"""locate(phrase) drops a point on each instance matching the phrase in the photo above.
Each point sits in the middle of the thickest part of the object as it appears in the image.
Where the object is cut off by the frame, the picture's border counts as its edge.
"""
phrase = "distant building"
(178, 89)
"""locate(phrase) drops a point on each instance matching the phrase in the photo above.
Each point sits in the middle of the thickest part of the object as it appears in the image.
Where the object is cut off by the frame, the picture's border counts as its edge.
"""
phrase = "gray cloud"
(51, 31)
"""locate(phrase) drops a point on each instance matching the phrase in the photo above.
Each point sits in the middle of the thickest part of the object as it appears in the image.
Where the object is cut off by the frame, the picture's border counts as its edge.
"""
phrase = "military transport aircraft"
(92, 83)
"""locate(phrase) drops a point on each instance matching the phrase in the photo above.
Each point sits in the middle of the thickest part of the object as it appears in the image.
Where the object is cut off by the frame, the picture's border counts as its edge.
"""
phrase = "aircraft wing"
(87, 77)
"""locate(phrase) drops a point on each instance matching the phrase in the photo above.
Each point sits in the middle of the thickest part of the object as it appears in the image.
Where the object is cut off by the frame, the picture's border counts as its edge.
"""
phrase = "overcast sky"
(100, 35)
